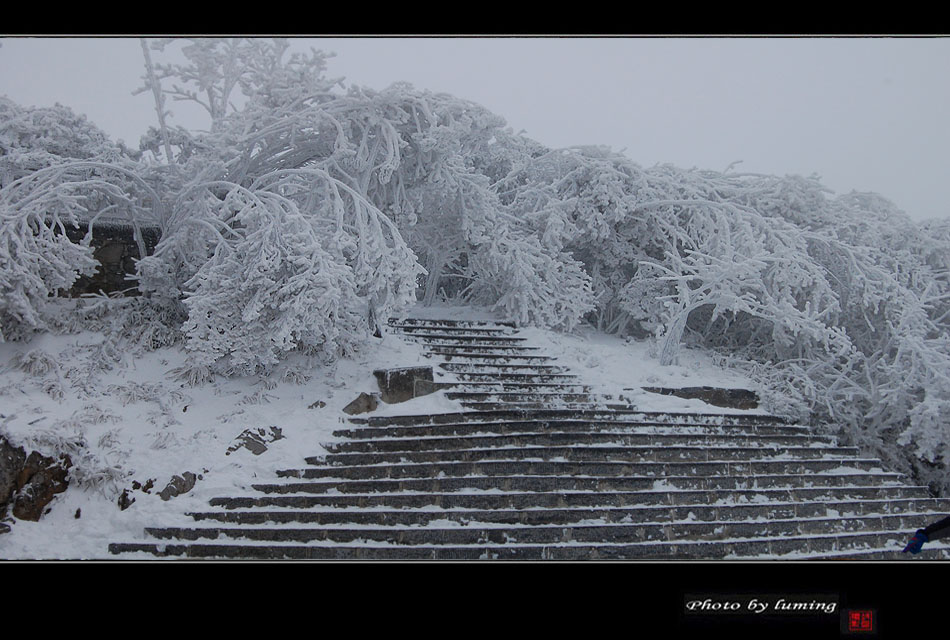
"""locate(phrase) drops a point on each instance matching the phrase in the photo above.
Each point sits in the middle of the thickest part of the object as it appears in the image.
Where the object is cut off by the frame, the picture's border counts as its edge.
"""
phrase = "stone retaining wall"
(115, 248)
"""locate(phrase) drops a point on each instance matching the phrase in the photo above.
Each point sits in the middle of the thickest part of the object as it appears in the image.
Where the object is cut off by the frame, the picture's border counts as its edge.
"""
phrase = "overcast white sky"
(869, 114)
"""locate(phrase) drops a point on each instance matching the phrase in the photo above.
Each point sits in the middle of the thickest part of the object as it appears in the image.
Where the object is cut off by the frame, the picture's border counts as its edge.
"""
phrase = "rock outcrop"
(29, 482)
(364, 403)
(255, 440)
(399, 385)
(729, 398)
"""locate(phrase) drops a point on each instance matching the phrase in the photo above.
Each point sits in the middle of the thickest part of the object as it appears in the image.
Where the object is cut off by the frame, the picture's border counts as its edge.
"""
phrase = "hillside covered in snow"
(130, 427)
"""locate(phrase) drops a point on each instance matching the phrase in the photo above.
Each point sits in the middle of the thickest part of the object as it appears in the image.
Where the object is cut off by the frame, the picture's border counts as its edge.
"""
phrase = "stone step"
(931, 553)
(394, 322)
(496, 350)
(447, 339)
(631, 417)
(792, 547)
(509, 388)
(468, 397)
(421, 329)
(533, 445)
(474, 533)
(559, 483)
(471, 376)
(492, 368)
(717, 475)
(572, 499)
(488, 358)
(619, 405)
(743, 459)
(920, 511)
(430, 464)
(578, 427)
(605, 404)
(514, 387)
(462, 338)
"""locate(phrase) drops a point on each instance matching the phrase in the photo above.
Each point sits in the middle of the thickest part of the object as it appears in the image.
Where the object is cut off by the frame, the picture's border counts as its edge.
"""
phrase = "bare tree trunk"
(435, 265)
(159, 101)
(669, 348)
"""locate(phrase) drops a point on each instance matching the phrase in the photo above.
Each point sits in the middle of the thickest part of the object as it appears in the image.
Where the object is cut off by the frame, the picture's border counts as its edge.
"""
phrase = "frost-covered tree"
(57, 171)
(32, 138)
(37, 258)
(840, 302)
(216, 69)
(297, 260)
(270, 246)
(414, 156)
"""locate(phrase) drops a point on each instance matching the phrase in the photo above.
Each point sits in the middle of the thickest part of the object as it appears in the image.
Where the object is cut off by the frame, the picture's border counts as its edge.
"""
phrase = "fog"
(866, 114)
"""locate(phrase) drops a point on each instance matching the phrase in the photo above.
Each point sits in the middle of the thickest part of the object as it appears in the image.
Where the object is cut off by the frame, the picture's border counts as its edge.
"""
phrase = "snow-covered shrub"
(97, 463)
(36, 257)
(57, 171)
(662, 246)
(298, 261)
(412, 154)
(132, 392)
(528, 283)
(929, 437)
(36, 363)
(138, 323)
(34, 138)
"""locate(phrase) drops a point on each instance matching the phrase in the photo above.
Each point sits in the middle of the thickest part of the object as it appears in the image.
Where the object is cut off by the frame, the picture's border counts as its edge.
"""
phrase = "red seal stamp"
(860, 620)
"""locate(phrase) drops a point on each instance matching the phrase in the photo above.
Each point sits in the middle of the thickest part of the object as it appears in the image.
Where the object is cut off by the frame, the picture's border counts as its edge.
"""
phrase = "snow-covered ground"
(137, 423)
(622, 367)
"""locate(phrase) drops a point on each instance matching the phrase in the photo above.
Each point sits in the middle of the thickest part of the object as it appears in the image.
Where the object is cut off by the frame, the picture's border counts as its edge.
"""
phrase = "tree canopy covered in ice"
(308, 210)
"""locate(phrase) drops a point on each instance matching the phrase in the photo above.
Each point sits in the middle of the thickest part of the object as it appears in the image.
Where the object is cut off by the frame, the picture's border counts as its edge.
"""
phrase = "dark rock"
(147, 487)
(11, 463)
(319, 404)
(255, 440)
(78, 513)
(40, 479)
(179, 485)
(364, 402)
(399, 385)
(125, 501)
(730, 398)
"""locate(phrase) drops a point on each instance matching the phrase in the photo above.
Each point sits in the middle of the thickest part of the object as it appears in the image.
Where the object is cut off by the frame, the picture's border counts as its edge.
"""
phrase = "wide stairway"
(540, 467)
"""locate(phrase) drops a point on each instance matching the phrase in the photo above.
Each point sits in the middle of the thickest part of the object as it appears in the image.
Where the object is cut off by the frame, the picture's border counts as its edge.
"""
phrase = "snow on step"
(542, 466)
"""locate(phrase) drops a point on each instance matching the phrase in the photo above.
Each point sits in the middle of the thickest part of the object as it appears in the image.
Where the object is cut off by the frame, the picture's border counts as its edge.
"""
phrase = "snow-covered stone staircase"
(539, 466)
